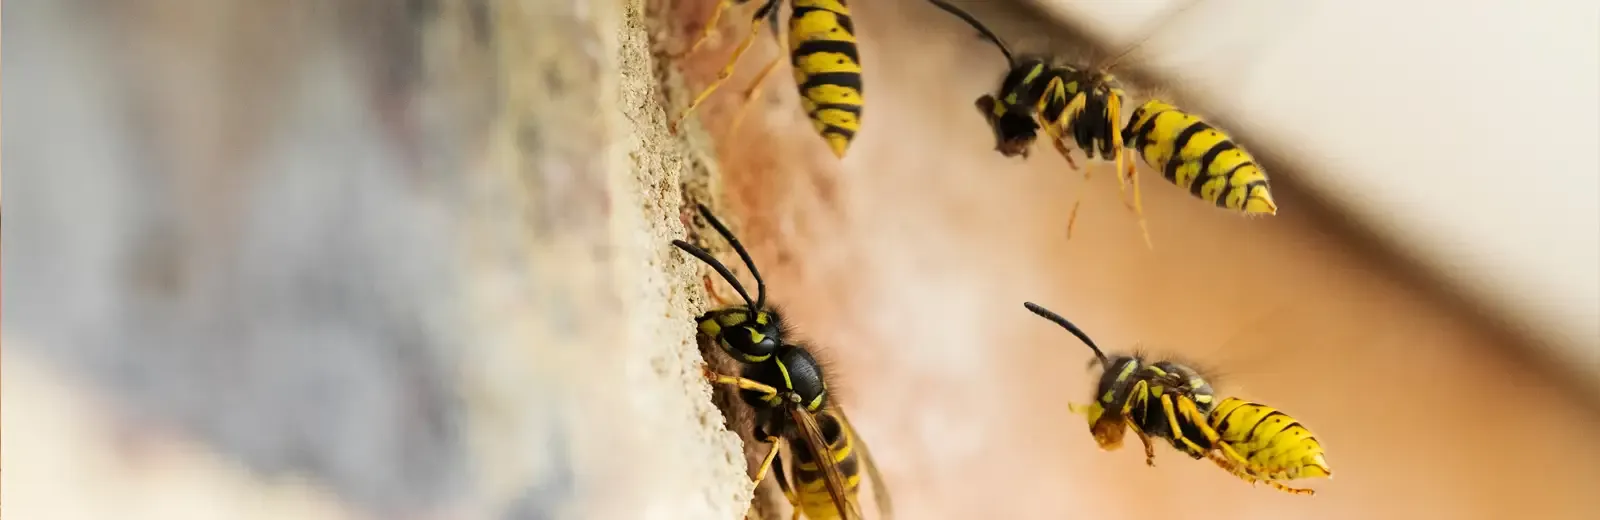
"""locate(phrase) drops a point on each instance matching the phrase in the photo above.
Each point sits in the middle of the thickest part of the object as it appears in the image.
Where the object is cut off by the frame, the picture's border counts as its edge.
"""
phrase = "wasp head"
(749, 336)
(1014, 128)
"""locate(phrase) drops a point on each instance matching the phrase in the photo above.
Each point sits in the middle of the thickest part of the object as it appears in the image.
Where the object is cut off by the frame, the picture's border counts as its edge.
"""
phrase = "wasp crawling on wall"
(785, 386)
(1171, 401)
(822, 50)
(1084, 106)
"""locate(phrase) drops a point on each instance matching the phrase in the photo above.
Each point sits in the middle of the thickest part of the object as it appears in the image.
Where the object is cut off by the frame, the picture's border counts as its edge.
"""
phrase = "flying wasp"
(1085, 106)
(822, 51)
(784, 384)
(1174, 402)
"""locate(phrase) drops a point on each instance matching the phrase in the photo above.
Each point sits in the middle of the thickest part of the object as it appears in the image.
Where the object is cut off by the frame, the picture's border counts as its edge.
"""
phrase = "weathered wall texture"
(908, 263)
(317, 259)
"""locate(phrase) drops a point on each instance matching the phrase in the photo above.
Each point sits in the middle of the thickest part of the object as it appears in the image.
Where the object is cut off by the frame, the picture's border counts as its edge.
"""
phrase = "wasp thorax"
(794, 373)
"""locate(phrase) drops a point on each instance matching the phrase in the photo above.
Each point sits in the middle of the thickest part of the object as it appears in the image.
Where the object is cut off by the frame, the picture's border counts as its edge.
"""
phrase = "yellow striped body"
(827, 69)
(811, 491)
(1276, 446)
(1171, 401)
(1197, 157)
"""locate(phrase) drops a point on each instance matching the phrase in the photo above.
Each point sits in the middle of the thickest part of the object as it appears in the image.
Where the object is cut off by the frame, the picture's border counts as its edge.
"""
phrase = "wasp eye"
(751, 342)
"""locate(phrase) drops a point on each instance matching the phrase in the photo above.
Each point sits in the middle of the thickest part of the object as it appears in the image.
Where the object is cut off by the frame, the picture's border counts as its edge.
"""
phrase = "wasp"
(784, 383)
(1084, 106)
(1172, 401)
(826, 63)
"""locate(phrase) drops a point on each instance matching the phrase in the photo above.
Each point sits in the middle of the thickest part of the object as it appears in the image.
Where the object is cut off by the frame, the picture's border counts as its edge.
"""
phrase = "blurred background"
(368, 259)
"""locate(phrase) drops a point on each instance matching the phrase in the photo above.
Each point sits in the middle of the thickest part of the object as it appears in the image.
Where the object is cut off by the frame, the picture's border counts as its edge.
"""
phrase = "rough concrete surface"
(414, 261)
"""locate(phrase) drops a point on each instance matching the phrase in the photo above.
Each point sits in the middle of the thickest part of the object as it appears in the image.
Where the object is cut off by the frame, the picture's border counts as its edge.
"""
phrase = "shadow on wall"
(908, 263)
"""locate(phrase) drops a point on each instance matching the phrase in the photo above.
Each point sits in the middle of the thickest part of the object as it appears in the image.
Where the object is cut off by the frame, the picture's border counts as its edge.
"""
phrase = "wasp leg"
(1290, 490)
(1126, 170)
(1077, 200)
(711, 291)
(1058, 134)
(783, 485)
(1239, 471)
(1190, 411)
(1056, 91)
(1113, 115)
(1149, 448)
(705, 31)
(742, 383)
(1140, 393)
(1066, 153)
(766, 463)
(1138, 205)
(1177, 432)
(727, 70)
(752, 94)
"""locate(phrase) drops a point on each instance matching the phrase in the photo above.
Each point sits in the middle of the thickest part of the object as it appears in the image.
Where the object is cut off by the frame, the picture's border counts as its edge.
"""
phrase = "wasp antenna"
(1149, 32)
(721, 269)
(987, 34)
(761, 285)
(1046, 314)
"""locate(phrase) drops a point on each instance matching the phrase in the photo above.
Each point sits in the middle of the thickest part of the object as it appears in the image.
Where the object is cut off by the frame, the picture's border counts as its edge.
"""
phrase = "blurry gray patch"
(317, 338)
(554, 493)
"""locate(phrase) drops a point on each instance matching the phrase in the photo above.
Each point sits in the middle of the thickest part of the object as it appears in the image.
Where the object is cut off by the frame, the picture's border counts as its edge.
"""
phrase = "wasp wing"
(880, 491)
(807, 424)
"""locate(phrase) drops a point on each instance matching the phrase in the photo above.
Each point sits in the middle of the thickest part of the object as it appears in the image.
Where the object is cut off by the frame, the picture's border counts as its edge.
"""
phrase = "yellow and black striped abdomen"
(827, 67)
(1193, 155)
(811, 487)
(1277, 446)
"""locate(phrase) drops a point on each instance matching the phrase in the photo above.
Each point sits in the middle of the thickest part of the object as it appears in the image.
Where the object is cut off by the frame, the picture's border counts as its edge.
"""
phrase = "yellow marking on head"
(1202, 398)
(763, 318)
(1127, 370)
(1197, 382)
(1156, 390)
(1157, 370)
(732, 317)
(747, 359)
(710, 327)
(1034, 73)
(816, 402)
